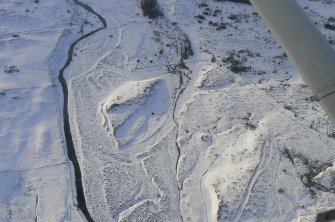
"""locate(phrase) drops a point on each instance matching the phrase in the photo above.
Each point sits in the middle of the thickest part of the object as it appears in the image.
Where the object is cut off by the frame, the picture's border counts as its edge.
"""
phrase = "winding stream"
(67, 130)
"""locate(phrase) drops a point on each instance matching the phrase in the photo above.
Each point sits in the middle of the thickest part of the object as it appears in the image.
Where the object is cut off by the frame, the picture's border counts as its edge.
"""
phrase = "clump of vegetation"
(247, 52)
(259, 72)
(217, 12)
(255, 14)
(236, 61)
(288, 107)
(233, 17)
(201, 5)
(330, 24)
(207, 11)
(180, 69)
(186, 48)
(213, 59)
(11, 69)
(250, 126)
(239, 69)
(281, 190)
(223, 210)
(291, 108)
(239, 17)
(219, 26)
(151, 9)
(199, 18)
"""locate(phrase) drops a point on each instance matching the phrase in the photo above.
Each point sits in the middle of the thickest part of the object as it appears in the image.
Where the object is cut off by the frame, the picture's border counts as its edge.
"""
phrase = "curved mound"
(135, 111)
(214, 79)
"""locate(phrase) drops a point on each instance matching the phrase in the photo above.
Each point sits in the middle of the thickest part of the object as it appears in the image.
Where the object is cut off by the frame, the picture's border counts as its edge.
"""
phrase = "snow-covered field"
(35, 174)
(185, 111)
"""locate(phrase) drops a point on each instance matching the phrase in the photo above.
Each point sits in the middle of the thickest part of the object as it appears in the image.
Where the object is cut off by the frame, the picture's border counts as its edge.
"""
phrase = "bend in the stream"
(81, 202)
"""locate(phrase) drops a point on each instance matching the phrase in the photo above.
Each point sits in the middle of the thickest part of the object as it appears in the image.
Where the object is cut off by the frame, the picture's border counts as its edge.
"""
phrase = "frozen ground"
(188, 111)
(35, 174)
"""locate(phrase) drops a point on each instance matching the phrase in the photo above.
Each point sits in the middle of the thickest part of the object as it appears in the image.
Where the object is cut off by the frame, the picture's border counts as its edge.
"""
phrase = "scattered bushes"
(11, 69)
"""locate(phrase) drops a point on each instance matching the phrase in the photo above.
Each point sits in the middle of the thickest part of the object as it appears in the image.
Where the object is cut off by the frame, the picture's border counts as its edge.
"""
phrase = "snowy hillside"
(167, 110)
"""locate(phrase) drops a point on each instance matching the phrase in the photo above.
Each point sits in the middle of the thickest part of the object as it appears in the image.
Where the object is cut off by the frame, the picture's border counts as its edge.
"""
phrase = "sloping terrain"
(35, 173)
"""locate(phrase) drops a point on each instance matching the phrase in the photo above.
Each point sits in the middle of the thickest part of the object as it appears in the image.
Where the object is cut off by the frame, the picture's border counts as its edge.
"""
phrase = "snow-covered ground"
(35, 174)
(189, 111)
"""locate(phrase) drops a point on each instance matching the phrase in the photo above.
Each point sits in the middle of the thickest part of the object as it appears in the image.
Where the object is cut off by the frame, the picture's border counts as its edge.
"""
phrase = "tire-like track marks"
(263, 164)
(81, 202)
